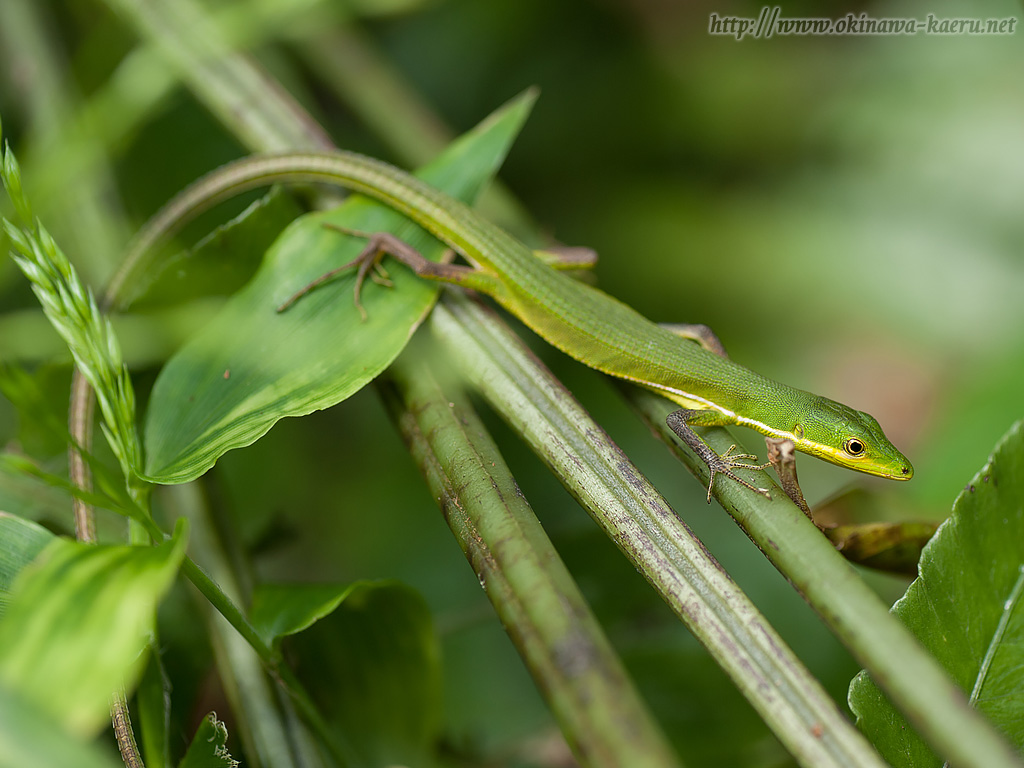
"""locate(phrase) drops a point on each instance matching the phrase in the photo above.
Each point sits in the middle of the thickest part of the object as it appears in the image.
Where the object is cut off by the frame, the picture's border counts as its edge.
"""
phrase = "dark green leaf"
(373, 668)
(25, 496)
(279, 610)
(252, 366)
(12, 464)
(209, 746)
(41, 399)
(967, 609)
(77, 621)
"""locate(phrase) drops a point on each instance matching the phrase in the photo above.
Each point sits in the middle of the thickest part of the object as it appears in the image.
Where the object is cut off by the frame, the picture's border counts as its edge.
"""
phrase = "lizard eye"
(854, 447)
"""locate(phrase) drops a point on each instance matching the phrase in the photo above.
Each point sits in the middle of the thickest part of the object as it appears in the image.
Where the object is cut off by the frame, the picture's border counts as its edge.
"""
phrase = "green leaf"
(279, 610)
(20, 542)
(252, 366)
(967, 609)
(209, 746)
(77, 621)
(373, 668)
(30, 737)
(28, 470)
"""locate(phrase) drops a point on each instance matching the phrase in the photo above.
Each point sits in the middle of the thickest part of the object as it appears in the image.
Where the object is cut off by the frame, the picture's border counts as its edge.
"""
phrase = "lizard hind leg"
(699, 333)
(381, 244)
(369, 258)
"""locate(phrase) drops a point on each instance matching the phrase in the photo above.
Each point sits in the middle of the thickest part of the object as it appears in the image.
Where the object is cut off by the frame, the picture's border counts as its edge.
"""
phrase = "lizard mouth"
(905, 472)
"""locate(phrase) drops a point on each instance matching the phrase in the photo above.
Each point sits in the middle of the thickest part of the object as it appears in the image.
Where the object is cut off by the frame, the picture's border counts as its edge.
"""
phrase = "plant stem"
(123, 731)
(641, 523)
(576, 670)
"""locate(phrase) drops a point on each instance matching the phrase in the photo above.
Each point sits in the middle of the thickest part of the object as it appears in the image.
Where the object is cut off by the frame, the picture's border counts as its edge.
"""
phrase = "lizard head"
(850, 438)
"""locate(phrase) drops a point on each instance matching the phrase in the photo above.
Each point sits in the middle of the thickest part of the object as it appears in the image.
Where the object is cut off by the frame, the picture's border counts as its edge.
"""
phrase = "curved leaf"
(967, 609)
(78, 619)
(279, 610)
(252, 366)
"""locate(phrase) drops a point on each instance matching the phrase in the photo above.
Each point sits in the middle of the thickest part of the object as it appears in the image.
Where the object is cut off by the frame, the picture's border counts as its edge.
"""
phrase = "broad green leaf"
(78, 620)
(372, 666)
(279, 610)
(967, 609)
(251, 366)
(209, 746)
(31, 737)
(20, 542)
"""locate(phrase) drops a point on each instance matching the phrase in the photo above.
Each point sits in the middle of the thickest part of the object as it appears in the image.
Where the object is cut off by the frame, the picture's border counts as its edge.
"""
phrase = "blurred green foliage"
(844, 211)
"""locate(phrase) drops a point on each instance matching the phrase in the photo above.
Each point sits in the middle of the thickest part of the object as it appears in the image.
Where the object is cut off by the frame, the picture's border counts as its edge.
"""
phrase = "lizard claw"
(729, 461)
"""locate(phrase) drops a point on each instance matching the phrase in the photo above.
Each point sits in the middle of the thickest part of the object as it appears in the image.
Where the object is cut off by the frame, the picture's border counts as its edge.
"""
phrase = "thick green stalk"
(649, 533)
(911, 678)
(579, 674)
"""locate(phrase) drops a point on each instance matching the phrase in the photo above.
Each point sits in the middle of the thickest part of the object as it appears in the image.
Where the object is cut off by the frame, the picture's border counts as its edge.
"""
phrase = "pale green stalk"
(73, 312)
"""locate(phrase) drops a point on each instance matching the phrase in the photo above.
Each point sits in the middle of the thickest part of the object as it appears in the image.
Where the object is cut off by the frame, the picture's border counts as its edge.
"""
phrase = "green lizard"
(584, 322)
